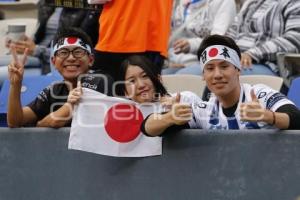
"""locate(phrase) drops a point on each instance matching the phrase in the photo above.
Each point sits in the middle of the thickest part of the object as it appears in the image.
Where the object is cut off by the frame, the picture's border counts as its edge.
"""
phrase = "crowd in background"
(261, 28)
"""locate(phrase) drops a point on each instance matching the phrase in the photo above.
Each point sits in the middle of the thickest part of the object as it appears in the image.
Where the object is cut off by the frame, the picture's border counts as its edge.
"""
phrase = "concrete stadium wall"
(35, 164)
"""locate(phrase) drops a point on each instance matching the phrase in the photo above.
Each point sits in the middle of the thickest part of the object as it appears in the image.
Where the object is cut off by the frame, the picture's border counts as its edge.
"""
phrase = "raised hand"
(168, 101)
(26, 42)
(7, 42)
(16, 67)
(181, 113)
(252, 111)
(181, 46)
(246, 61)
(75, 94)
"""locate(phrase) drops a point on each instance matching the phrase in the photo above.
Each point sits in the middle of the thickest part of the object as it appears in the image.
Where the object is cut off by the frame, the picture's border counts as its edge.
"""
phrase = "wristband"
(274, 119)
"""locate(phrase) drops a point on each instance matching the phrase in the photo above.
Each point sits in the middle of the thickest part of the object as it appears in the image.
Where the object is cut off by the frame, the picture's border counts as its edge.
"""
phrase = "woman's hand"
(178, 113)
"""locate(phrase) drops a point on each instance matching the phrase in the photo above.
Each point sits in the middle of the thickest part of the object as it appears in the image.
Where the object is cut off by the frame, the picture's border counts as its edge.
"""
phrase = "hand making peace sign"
(16, 67)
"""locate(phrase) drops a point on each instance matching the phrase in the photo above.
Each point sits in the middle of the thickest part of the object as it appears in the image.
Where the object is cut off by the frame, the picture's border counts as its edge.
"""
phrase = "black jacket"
(85, 19)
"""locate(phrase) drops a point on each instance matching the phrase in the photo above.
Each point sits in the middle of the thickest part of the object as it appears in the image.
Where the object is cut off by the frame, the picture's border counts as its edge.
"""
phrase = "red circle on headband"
(213, 52)
(72, 40)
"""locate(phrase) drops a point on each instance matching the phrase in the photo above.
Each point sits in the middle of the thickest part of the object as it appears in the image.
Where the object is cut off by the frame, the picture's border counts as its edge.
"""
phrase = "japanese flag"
(111, 126)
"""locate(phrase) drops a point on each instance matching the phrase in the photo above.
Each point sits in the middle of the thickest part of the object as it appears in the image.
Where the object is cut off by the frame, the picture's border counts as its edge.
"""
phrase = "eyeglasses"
(77, 53)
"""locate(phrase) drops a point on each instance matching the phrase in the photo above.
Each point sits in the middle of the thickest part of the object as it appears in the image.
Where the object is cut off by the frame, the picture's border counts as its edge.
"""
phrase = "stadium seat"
(294, 92)
(30, 88)
(274, 82)
(19, 9)
(184, 82)
(288, 64)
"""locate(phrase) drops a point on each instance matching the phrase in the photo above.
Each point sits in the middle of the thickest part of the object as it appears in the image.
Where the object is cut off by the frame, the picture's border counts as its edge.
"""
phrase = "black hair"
(149, 68)
(218, 40)
(73, 32)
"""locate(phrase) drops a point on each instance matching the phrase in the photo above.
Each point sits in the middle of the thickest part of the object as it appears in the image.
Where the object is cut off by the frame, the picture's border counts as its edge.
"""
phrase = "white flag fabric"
(111, 126)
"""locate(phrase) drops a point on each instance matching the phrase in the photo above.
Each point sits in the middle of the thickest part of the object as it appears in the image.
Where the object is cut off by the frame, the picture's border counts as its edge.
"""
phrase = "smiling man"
(72, 57)
(232, 105)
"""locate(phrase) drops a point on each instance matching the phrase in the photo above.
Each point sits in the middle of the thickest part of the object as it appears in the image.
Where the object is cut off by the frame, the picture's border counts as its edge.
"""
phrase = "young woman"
(139, 81)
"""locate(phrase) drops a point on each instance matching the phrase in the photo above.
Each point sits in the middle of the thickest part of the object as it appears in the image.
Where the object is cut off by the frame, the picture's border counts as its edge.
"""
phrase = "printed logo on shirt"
(262, 95)
(43, 96)
(274, 99)
(201, 105)
(90, 86)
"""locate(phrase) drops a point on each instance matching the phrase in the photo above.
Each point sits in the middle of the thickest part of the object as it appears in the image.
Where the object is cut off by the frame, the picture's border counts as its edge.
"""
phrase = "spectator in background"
(130, 27)
(263, 28)
(192, 21)
(53, 106)
(50, 20)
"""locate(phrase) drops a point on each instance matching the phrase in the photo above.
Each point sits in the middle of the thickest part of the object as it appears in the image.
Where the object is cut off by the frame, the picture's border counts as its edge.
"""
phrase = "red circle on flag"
(71, 40)
(213, 52)
(123, 122)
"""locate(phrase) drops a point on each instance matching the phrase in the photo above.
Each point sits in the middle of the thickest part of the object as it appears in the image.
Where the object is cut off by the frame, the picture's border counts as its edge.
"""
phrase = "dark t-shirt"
(55, 95)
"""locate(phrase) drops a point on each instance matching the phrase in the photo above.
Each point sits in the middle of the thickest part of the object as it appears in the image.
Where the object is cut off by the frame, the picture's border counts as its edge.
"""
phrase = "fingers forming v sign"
(16, 67)
(252, 111)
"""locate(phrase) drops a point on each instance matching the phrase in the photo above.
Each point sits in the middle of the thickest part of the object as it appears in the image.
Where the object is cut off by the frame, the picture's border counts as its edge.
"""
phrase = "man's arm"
(293, 115)
(16, 115)
(58, 118)
(63, 115)
(285, 117)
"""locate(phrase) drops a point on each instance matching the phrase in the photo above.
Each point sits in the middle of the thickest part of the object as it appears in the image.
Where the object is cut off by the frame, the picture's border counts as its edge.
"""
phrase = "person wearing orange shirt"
(132, 27)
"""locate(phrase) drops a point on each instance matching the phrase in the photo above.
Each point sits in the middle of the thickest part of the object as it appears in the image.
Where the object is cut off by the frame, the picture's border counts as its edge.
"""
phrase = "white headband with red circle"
(220, 52)
(71, 41)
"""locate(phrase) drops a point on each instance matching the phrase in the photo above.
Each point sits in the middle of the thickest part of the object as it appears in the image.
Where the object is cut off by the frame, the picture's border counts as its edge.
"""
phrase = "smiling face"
(222, 78)
(71, 67)
(138, 86)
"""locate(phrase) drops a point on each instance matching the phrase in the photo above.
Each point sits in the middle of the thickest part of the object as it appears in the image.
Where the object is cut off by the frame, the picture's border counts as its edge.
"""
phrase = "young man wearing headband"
(72, 57)
(232, 105)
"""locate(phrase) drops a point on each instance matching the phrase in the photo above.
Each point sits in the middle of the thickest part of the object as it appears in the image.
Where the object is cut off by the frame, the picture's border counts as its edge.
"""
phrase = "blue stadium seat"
(294, 92)
(30, 88)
